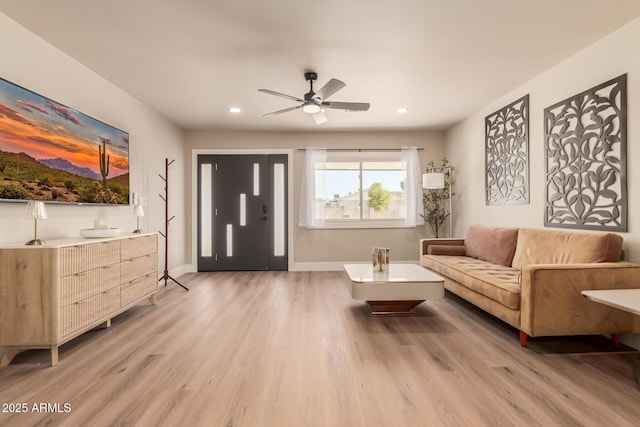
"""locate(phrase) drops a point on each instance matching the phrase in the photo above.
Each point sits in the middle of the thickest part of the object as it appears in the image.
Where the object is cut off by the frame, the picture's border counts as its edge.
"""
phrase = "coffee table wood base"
(393, 307)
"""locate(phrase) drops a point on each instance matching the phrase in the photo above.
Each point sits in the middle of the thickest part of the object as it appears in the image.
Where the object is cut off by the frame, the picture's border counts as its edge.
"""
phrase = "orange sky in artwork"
(43, 140)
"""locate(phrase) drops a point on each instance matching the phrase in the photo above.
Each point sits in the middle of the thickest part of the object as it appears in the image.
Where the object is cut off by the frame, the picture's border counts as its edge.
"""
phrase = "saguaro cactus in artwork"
(104, 162)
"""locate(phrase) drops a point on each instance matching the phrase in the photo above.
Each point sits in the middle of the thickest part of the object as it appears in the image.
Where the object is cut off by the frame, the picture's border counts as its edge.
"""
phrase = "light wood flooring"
(293, 349)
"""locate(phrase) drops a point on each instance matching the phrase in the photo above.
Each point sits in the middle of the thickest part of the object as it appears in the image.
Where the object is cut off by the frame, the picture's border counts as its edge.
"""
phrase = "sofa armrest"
(551, 302)
(424, 243)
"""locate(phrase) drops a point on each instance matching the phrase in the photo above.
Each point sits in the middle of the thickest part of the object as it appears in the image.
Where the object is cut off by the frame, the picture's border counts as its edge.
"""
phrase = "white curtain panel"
(413, 186)
(311, 212)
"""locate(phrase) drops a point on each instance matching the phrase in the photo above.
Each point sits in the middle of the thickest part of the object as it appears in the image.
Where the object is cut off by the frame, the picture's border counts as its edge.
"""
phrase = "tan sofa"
(532, 278)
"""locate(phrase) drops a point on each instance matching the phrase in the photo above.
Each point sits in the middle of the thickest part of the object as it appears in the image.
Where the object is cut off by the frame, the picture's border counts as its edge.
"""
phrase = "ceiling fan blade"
(351, 106)
(286, 110)
(319, 118)
(329, 89)
(282, 95)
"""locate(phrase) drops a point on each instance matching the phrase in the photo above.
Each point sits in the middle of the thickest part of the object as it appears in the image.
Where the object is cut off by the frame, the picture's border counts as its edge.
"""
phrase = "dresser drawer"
(80, 286)
(138, 288)
(138, 246)
(78, 315)
(138, 267)
(76, 259)
(52, 294)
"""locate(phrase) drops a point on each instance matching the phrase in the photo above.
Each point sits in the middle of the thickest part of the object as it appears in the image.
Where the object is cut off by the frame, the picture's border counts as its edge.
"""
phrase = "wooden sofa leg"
(615, 338)
(523, 338)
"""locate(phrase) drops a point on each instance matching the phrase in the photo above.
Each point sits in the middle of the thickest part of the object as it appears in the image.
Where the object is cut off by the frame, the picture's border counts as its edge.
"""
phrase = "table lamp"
(138, 212)
(35, 210)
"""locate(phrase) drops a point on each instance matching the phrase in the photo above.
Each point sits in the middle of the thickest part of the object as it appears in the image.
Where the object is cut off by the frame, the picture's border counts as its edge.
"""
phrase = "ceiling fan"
(314, 103)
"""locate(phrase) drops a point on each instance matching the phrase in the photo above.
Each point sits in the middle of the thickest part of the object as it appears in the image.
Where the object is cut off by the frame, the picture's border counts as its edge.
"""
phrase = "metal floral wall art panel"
(585, 159)
(507, 154)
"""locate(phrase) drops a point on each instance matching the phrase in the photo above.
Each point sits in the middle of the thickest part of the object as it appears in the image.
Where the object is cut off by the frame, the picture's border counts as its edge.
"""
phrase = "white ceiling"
(192, 59)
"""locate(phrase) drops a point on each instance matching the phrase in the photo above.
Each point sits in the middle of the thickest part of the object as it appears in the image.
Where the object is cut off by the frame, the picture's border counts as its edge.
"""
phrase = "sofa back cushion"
(452, 250)
(563, 247)
(494, 244)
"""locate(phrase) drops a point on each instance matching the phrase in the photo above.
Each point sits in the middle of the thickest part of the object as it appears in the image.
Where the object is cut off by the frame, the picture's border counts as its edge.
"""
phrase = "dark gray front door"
(242, 212)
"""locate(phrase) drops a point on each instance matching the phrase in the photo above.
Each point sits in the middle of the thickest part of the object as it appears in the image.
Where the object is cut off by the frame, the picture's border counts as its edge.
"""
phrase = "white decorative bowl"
(92, 233)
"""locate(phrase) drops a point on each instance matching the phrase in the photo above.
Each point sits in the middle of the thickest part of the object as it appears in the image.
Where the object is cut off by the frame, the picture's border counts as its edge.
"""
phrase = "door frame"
(237, 151)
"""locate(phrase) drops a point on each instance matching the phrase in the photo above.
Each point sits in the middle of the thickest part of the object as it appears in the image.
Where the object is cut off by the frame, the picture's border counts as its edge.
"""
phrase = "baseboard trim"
(296, 266)
(179, 271)
(331, 266)
(190, 268)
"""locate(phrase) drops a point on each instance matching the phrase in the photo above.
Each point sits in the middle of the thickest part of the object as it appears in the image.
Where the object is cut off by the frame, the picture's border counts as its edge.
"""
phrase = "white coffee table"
(623, 299)
(399, 290)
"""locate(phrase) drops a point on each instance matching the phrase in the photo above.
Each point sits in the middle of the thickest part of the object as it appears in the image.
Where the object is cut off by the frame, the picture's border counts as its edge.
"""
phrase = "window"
(360, 189)
(363, 190)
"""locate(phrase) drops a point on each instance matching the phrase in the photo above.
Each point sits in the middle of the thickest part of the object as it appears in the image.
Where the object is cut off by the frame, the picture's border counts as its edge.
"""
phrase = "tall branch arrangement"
(434, 201)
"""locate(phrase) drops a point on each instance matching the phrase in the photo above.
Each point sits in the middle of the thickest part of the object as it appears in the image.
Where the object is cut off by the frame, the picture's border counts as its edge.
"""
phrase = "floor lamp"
(434, 179)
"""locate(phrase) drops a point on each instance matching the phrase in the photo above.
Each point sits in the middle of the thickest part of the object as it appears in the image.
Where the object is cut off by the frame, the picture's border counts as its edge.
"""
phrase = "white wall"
(34, 64)
(608, 58)
(31, 62)
(320, 249)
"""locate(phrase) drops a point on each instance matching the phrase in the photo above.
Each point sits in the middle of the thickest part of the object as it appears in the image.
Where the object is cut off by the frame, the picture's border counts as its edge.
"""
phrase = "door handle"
(263, 218)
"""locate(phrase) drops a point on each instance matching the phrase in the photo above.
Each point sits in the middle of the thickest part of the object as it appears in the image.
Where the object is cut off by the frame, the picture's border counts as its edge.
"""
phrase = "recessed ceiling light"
(235, 110)
(402, 110)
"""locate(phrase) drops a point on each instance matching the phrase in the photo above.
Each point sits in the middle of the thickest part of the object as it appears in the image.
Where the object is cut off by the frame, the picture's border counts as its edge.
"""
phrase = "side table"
(623, 299)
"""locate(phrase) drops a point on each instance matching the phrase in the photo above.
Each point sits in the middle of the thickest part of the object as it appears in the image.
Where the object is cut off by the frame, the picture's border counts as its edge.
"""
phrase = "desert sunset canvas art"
(54, 153)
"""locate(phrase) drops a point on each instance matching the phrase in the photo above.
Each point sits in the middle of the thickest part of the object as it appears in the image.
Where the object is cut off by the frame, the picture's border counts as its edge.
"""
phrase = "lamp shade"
(433, 180)
(35, 210)
(138, 211)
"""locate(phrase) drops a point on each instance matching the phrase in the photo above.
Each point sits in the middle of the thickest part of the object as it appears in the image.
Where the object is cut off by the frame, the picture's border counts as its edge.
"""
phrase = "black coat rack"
(167, 220)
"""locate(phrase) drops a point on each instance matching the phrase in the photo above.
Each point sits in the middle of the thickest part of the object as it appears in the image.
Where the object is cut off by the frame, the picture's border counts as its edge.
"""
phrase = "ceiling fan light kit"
(311, 108)
(314, 103)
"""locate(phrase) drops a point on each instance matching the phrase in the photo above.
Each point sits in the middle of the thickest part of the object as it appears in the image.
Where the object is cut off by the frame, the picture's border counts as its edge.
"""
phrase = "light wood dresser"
(51, 294)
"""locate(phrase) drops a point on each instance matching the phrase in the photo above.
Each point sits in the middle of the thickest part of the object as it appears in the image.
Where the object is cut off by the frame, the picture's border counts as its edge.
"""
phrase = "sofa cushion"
(494, 244)
(445, 250)
(563, 247)
(497, 282)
